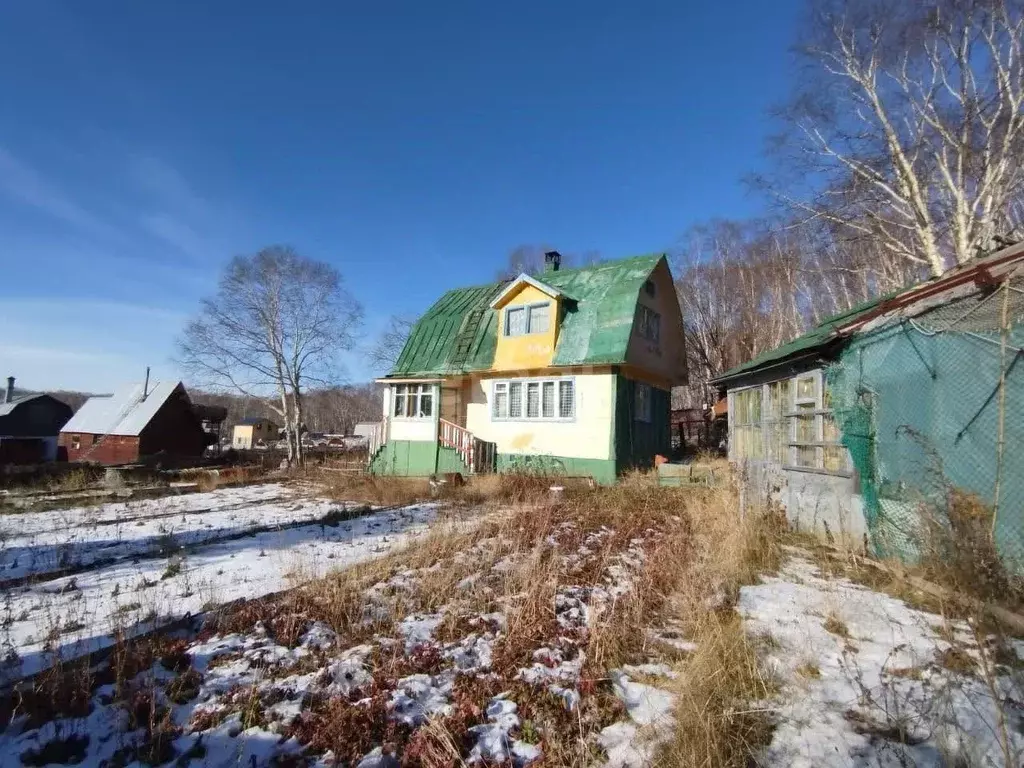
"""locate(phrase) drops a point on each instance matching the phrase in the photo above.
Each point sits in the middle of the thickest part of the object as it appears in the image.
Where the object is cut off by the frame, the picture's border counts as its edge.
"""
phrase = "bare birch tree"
(276, 324)
(908, 124)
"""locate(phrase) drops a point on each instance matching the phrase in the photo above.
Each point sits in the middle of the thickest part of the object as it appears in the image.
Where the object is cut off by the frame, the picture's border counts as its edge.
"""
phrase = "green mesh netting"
(918, 404)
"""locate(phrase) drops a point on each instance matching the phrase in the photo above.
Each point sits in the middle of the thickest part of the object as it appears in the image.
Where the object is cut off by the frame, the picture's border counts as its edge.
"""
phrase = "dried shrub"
(959, 551)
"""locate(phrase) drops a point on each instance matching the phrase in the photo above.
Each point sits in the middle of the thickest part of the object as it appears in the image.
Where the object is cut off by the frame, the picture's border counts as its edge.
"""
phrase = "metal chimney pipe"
(9, 394)
(552, 261)
(145, 387)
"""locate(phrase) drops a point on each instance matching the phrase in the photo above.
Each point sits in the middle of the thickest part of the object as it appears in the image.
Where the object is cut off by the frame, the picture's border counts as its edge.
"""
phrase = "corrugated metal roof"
(815, 339)
(123, 413)
(6, 408)
(458, 334)
(994, 265)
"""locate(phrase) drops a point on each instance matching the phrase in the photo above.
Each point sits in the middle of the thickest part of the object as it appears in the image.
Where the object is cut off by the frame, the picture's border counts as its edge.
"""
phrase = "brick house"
(139, 421)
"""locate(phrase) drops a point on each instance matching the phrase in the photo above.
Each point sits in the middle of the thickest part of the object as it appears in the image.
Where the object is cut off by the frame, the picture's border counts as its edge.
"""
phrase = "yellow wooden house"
(567, 373)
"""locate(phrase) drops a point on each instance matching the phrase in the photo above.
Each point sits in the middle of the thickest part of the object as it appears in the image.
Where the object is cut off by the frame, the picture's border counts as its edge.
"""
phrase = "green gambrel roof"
(817, 338)
(460, 332)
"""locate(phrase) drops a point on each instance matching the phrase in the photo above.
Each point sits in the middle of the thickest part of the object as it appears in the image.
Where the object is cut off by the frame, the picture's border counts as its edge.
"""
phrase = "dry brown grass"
(697, 552)
(721, 692)
(75, 480)
(374, 489)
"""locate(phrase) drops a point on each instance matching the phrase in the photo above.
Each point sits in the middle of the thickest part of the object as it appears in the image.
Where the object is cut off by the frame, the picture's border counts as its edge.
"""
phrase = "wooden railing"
(451, 435)
(378, 436)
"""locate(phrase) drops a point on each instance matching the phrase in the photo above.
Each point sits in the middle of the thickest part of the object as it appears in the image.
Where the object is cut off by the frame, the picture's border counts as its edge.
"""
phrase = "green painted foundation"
(602, 470)
(633, 445)
(415, 458)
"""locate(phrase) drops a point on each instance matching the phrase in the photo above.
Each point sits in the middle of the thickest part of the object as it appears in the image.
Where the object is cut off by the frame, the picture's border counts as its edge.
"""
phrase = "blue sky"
(412, 145)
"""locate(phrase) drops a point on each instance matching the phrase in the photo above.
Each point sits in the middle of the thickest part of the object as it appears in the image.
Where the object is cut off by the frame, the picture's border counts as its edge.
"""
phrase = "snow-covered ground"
(255, 699)
(129, 581)
(41, 542)
(868, 681)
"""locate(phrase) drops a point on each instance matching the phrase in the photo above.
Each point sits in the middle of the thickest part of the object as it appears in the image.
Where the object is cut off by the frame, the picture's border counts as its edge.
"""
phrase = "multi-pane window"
(531, 318)
(413, 401)
(539, 318)
(547, 410)
(648, 324)
(534, 399)
(499, 402)
(790, 422)
(515, 400)
(747, 438)
(566, 399)
(776, 427)
(643, 402)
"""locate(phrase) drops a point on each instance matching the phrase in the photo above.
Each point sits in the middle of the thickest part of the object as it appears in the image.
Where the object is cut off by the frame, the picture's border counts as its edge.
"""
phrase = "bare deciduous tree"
(275, 325)
(389, 345)
(908, 124)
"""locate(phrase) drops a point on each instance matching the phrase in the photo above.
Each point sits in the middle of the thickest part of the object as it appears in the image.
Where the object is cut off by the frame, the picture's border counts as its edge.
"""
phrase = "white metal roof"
(6, 408)
(502, 297)
(123, 413)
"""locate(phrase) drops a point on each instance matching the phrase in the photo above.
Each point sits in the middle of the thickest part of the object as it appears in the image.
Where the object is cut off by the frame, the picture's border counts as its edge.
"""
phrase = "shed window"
(76, 442)
(748, 442)
(789, 422)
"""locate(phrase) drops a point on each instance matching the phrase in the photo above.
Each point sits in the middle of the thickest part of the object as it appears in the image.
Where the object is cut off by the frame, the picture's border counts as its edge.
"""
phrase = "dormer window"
(529, 319)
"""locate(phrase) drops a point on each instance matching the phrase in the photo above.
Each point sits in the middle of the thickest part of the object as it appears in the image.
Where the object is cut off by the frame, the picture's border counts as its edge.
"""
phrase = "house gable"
(514, 288)
(656, 342)
(527, 307)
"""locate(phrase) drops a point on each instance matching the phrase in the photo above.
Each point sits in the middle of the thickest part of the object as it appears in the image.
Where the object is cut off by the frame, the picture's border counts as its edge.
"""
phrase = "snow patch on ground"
(493, 742)
(73, 615)
(845, 699)
(633, 743)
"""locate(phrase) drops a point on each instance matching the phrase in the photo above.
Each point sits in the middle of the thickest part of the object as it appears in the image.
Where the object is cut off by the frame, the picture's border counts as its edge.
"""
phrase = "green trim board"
(458, 334)
(602, 470)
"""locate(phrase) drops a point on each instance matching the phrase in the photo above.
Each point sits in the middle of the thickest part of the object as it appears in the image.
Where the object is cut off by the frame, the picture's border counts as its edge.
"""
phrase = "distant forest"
(334, 410)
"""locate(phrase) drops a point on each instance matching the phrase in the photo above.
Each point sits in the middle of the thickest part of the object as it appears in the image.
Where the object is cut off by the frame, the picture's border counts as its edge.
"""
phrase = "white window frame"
(642, 395)
(413, 392)
(505, 386)
(528, 319)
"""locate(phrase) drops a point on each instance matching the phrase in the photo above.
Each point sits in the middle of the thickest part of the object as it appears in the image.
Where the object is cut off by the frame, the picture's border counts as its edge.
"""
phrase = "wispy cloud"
(175, 212)
(23, 183)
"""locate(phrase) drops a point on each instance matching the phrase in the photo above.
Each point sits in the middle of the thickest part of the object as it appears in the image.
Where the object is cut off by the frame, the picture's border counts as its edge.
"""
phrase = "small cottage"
(894, 413)
(249, 432)
(29, 425)
(565, 373)
(137, 422)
